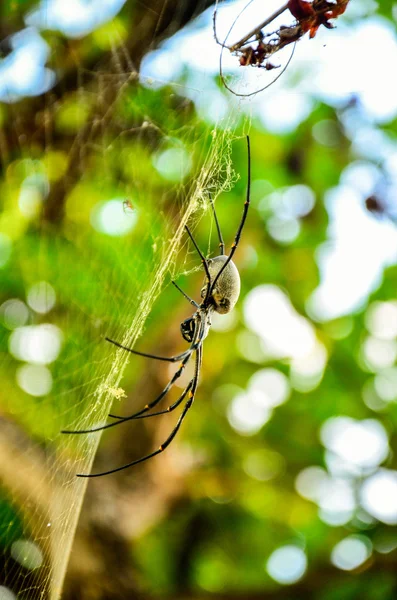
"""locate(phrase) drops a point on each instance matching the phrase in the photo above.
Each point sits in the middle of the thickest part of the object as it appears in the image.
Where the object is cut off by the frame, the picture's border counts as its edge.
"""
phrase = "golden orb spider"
(219, 293)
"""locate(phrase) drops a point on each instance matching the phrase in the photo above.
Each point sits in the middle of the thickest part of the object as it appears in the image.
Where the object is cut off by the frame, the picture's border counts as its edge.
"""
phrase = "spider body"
(226, 289)
(220, 293)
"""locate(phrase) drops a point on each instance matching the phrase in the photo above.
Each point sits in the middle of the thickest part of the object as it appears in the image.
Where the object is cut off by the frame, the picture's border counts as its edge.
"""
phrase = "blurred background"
(114, 130)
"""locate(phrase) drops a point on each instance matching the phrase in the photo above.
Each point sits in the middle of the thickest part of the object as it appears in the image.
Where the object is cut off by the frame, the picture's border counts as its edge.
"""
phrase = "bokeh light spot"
(174, 164)
(326, 132)
(34, 190)
(283, 230)
(371, 397)
(14, 313)
(287, 564)
(307, 371)
(381, 320)
(35, 380)
(74, 18)
(378, 353)
(27, 554)
(385, 384)
(247, 414)
(379, 496)
(364, 443)
(269, 313)
(38, 344)
(6, 594)
(272, 385)
(337, 501)
(311, 483)
(22, 72)
(41, 297)
(295, 201)
(351, 552)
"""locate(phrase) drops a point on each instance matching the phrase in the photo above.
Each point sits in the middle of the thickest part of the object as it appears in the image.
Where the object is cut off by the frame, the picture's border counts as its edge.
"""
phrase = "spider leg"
(243, 218)
(221, 242)
(203, 260)
(186, 296)
(165, 358)
(173, 433)
(171, 407)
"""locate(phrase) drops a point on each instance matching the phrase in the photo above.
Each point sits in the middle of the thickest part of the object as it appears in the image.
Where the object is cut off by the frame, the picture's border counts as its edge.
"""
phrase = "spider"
(219, 293)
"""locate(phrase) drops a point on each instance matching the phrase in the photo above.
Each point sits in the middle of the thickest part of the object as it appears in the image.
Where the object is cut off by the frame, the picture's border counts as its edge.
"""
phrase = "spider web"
(104, 285)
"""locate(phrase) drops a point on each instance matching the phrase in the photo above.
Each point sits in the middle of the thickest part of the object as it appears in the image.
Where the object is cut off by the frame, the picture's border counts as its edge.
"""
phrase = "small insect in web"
(219, 293)
(127, 206)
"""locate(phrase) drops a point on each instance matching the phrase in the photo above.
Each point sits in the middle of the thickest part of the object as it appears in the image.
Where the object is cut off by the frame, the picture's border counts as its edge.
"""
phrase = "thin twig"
(255, 32)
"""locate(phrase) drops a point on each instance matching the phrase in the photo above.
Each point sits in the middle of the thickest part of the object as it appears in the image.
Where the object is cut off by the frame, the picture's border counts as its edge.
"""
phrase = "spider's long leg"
(193, 302)
(221, 242)
(173, 433)
(243, 218)
(203, 260)
(165, 358)
(171, 407)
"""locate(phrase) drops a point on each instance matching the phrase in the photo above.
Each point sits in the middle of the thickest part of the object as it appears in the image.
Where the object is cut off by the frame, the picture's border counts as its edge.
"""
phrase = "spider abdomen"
(227, 287)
